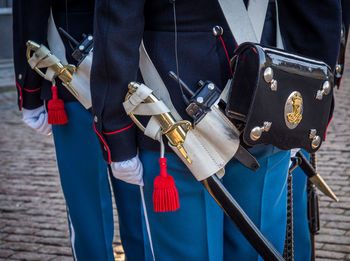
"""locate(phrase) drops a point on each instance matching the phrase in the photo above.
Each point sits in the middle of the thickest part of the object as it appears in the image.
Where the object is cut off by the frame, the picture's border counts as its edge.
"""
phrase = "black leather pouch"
(283, 99)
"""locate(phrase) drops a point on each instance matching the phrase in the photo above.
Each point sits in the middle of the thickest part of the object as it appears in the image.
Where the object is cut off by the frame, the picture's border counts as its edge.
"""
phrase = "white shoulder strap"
(257, 12)
(153, 80)
(245, 25)
(237, 18)
(279, 41)
(55, 41)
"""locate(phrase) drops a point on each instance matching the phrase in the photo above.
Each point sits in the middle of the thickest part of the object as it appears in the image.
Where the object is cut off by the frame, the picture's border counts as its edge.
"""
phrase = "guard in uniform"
(83, 172)
(178, 36)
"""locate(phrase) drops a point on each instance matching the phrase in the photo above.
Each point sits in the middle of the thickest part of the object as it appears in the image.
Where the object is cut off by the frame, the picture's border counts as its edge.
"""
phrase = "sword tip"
(322, 185)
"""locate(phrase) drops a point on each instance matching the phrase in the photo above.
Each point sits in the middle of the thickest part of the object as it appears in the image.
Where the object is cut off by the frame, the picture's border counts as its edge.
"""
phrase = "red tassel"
(56, 113)
(165, 196)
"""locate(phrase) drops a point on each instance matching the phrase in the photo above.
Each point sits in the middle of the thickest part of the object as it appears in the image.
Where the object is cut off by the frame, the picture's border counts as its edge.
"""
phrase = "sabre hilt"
(174, 131)
(41, 53)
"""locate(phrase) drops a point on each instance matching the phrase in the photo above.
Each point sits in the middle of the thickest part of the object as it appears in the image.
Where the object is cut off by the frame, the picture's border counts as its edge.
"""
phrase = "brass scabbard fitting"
(174, 131)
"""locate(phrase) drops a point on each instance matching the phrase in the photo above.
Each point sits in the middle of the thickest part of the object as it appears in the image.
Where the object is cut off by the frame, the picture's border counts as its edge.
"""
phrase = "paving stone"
(20, 230)
(52, 233)
(54, 241)
(5, 253)
(330, 254)
(325, 259)
(63, 258)
(31, 256)
(22, 238)
(332, 231)
(341, 225)
(20, 246)
(326, 238)
(337, 248)
(56, 250)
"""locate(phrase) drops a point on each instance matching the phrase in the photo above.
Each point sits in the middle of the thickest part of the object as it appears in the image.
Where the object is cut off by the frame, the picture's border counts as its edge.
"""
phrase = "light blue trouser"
(302, 243)
(85, 185)
(199, 230)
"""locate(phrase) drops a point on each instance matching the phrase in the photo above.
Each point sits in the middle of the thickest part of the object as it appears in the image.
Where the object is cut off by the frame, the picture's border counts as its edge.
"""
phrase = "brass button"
(20, 76)
(95, 119)
(217, 30)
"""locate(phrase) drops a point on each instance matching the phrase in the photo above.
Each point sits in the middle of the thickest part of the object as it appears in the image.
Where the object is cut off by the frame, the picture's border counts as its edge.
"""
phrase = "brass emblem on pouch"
(293, 110)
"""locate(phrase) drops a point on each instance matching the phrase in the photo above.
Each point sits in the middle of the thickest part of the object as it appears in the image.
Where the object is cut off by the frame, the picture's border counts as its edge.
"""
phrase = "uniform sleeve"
(346, 16)
(311, 28)
(30, 19)
(118, 30)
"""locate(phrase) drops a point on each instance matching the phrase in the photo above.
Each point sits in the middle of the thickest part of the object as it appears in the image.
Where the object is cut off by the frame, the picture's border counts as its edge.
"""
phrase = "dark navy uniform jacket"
(309, 27)
(30, 18)
(346, 15)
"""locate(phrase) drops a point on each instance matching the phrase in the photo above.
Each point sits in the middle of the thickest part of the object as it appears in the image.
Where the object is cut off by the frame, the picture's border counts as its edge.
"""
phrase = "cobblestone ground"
(33, 222)
(333, 242)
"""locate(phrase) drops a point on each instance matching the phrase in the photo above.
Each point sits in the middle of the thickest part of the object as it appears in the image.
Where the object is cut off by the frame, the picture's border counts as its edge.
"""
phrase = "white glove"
(37, 120)
(130, 171)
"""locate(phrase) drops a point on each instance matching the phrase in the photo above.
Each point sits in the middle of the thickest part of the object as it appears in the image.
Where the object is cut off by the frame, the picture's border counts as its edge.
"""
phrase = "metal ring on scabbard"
(175, 131)
(63, 72)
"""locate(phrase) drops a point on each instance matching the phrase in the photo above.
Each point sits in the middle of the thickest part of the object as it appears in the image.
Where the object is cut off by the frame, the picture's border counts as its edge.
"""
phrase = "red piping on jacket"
(117, 131)
(104, 143)
(228, 58)
(27, 90)
(20, 93)
(325, 134)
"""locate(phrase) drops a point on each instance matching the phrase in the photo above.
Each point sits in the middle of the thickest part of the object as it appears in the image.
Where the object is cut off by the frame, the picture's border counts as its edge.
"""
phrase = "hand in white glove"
(130, 171)
(37, 120)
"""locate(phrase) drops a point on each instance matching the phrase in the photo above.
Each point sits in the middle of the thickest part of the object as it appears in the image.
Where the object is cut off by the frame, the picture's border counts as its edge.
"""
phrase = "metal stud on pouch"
(268, 77)
(315, 139)
(256, 132)
(273, 85)
(326, 89)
